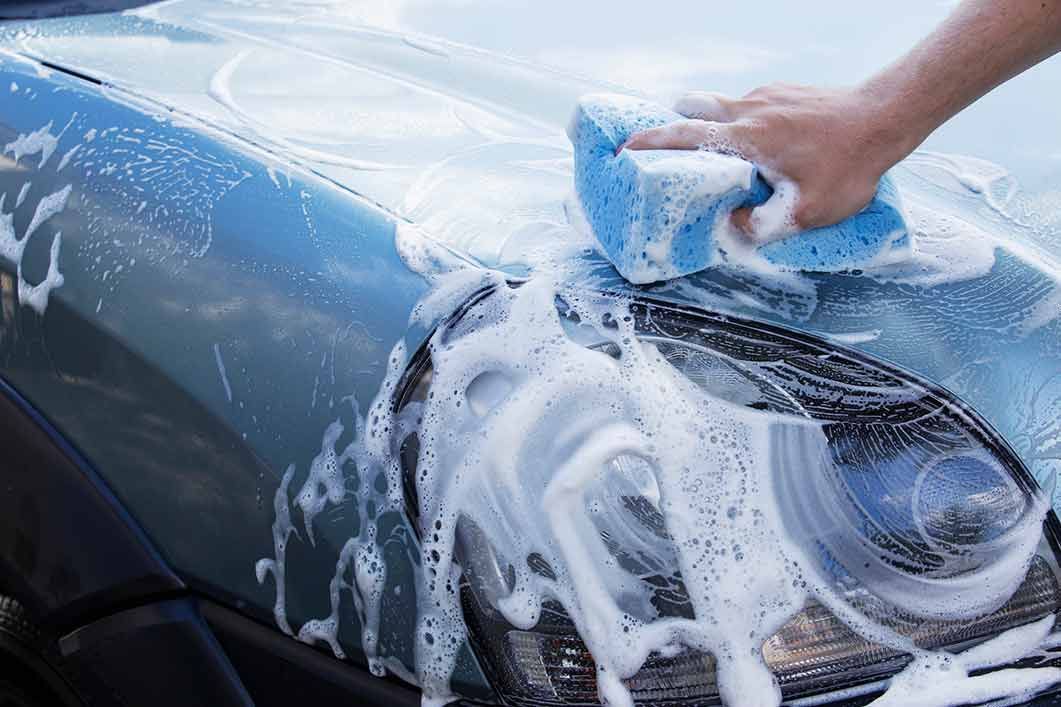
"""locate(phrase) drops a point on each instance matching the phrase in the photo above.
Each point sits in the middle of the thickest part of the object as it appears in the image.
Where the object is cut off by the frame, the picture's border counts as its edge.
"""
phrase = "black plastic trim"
(279, 671)
(161, 654)
(29, 669)
(72, 72)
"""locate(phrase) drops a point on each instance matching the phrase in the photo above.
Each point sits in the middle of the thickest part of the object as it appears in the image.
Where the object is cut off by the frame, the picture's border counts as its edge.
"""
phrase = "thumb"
(741, 220)
(772, 220)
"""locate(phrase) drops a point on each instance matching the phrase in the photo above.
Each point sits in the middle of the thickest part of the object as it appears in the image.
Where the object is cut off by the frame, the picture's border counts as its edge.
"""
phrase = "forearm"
(981, 45)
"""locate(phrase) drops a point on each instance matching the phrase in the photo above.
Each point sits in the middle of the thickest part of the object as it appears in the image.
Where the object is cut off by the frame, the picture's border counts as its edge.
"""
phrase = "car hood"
(451, 115)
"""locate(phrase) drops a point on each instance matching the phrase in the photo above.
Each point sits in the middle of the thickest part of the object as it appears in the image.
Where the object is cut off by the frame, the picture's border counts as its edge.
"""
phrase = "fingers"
(705, 105)
(741, 220)
(688, 134)
(680, 135)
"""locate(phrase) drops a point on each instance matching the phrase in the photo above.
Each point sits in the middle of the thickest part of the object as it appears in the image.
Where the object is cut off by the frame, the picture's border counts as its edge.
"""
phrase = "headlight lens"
(909, 498)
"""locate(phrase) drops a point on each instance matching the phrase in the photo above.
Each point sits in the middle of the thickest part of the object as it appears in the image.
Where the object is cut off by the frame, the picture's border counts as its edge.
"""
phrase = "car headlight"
(908, 499)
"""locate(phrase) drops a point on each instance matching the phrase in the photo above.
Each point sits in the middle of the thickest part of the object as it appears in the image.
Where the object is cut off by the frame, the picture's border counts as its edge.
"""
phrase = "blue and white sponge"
(658, 214)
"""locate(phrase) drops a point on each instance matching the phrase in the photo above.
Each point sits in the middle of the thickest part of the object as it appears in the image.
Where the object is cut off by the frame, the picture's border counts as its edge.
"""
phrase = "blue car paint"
(287, 293)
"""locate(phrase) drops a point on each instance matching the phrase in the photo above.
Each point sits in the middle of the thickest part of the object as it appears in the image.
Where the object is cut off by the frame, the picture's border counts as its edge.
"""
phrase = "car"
(305, 354)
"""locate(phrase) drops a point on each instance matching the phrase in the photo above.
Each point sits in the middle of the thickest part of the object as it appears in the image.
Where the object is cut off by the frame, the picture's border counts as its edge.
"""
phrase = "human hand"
(823, 151)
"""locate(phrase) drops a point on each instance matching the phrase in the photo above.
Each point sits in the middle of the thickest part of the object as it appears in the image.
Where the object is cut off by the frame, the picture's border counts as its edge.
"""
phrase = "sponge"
(656, 213)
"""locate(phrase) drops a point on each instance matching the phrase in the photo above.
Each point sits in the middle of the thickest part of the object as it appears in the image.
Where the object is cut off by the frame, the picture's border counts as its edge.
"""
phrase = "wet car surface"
(224, 181)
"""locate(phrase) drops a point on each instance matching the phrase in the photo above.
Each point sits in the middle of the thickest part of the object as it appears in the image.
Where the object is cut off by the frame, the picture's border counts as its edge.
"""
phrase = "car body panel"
(52, 495)
(238, 360)
(232, 284)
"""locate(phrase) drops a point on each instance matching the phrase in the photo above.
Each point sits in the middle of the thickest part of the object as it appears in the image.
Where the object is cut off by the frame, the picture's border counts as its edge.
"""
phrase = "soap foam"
(283, 529)
(942, 679)
(22, 194)
(36, 296)
(478, 450)
(530, 461)
(528, 441)
(525, 440)
(703, 175)
(13, 248)
(523, 461)
(39, 141)
(373, 458)
(776, 219)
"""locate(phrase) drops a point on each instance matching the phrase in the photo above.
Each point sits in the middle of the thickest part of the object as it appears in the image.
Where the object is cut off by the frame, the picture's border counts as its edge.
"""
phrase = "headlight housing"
(912, 497)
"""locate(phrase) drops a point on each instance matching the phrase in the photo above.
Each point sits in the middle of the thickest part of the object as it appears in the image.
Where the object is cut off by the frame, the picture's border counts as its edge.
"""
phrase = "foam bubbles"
(283, 529)
(13, 248)
(775, 219)
(534, 428)
(529, 428)
(525, 441)
(372, 457)
(943, 679)
(39, 141)
(22, 194)
(965, 211)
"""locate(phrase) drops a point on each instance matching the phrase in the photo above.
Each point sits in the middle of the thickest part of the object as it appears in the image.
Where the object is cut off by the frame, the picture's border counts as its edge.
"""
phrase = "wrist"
(888, 128)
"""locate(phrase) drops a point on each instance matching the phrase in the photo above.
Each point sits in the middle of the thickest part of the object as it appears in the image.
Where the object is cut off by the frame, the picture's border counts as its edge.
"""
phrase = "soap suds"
(495, 409)
(325, 483)
(67, 156)
(271, 171)
(534, 437)
(22, 194)
(13, 248)
(364, 560)
(944, 680)
(283, 529)
(40, 140)
(536, 452)
(526, 437)
(48, 207)
(776, 218)
(36, 296)
(172, 182)
(950, 243)
(372, 457)
(220, 370)
(10, 246)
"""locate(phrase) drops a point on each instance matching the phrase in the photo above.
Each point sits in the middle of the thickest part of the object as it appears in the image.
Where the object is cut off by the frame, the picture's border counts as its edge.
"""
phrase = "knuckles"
(827, 207)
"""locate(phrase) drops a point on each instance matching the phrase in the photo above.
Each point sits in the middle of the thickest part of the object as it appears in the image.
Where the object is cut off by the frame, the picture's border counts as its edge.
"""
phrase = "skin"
(834, 144)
